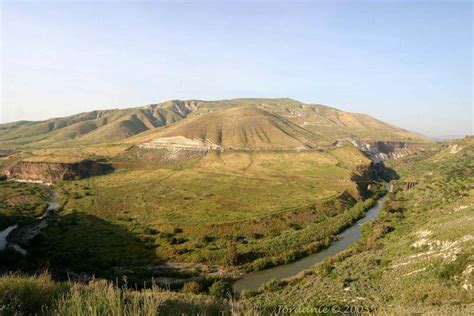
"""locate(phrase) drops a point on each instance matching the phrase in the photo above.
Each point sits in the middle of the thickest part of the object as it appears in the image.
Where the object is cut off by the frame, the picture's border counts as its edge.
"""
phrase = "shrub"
(232, 256)
(262, 263)
(221, 289)
(248, 294)
(295, 226)
(451, 270)
(191, 287)
(175, 240)
(270, 286)
(152, 231)
(325, 268)
(207, 239)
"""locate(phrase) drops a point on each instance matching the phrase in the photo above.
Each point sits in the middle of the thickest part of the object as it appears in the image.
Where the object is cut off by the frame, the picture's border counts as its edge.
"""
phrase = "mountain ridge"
(117, 125)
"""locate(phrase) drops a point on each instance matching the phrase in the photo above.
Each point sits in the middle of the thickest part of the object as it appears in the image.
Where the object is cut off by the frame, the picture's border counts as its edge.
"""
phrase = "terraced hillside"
(417, 258)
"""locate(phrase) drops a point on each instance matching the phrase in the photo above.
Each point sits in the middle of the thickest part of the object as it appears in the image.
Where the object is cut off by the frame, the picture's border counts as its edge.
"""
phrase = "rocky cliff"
(51, 172)
(382, 150)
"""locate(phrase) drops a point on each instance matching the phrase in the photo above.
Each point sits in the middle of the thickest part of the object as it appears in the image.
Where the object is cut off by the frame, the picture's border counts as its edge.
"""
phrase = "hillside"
(92, 127)
(242, 127)
(299, 124)
(418, 257)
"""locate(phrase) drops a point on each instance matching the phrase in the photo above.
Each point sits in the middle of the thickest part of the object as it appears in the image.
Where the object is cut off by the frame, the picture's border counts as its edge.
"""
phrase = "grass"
(231, 209)
(198, 221)
(415, 257)
(219, 188)
(21, 202)
(219, 201)
(40, 295)
(243, 127)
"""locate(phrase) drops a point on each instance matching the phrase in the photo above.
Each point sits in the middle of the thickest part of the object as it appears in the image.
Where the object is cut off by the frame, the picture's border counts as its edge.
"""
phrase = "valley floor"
(418, 257)
(225, 212)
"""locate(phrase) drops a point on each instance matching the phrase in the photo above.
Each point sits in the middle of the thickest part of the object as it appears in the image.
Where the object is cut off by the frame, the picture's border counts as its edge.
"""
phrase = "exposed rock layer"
(54, 172)
(382, 150)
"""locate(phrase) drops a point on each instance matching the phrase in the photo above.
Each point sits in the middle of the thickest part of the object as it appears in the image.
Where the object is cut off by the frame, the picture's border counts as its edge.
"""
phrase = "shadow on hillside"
(80, 243)
(91, 168)
(375, 172)
(385, 173)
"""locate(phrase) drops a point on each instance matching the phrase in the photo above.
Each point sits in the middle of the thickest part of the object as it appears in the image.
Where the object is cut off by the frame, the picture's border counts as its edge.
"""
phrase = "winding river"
(253, 280)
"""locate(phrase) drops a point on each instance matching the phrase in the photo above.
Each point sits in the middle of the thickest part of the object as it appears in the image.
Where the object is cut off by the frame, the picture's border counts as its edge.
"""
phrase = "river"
(253, 280)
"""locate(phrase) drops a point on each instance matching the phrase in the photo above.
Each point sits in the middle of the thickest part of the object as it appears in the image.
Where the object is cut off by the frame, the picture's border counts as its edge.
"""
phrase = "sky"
(408, 63)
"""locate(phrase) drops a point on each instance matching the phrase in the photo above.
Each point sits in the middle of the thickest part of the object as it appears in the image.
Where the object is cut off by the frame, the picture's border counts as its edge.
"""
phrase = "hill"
(298, 124)
(92, 127)
(242, 127)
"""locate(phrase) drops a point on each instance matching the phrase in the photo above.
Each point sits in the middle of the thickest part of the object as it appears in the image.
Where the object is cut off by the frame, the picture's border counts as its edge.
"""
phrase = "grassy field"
(232, 209)
(221, 187)
(417, 257)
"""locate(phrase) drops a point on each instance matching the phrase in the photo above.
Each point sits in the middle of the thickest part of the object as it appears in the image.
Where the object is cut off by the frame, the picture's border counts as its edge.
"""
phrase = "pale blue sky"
(408, 63)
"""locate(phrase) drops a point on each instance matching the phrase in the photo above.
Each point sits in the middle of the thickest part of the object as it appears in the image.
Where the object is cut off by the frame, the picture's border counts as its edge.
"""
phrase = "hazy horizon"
(408, 64)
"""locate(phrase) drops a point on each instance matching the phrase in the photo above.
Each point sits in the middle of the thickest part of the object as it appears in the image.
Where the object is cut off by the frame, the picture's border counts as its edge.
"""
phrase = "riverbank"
(416, 257)
(254, 280)
(86, 245)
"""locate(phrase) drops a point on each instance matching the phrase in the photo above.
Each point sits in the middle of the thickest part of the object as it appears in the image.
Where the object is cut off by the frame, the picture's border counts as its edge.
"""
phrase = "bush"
(152, 231)
(191, 287)
(175, 240)
(221, 288)
(325, 268)
(262, 263)
(270, 286)
(207, 239)
(452, 270)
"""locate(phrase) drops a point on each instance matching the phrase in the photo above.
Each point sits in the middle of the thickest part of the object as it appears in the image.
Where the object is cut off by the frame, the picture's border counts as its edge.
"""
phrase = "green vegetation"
(40, 295)
(245, 210)
(248, 210)
(20, 202)
(221, 289)
(190, 220)
(417, 257)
